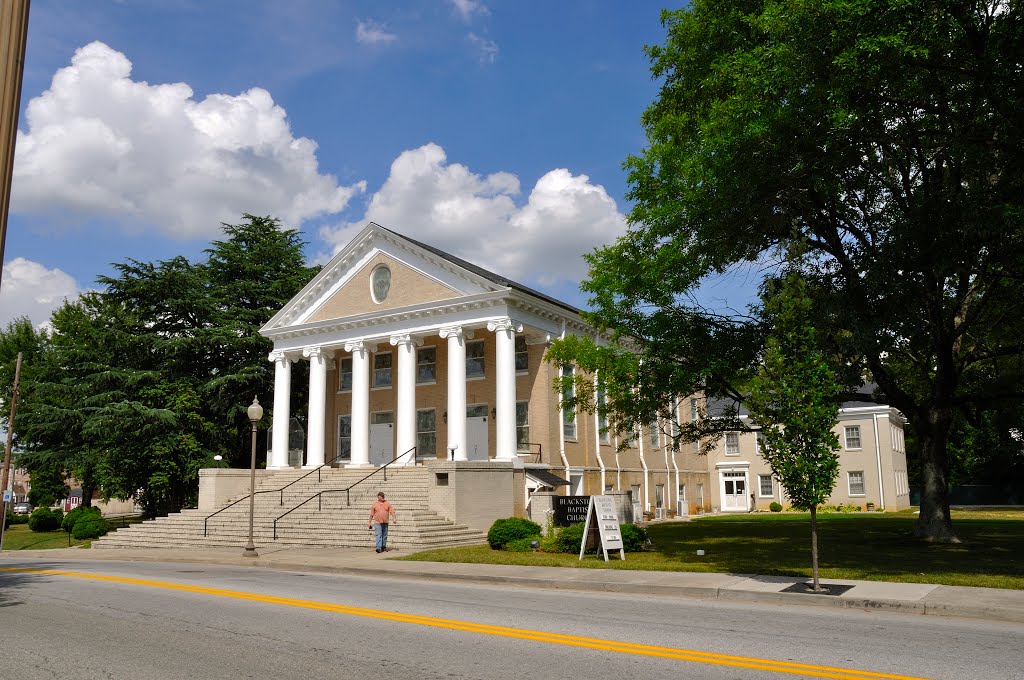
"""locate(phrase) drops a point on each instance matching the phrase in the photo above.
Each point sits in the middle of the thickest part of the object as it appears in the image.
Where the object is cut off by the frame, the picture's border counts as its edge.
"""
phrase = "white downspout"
(878, 459)
(597, 435)
(561, 425)
(676, 467)
(618, 473)
(643, 463)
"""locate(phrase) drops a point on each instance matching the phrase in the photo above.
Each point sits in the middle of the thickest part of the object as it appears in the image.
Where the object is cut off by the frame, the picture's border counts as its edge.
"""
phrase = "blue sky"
(492, 129)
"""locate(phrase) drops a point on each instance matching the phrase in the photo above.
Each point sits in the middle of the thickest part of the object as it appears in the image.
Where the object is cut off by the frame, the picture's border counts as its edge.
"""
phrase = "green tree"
(884, 136)
(149, 377)
(793, 398)
(48, 486)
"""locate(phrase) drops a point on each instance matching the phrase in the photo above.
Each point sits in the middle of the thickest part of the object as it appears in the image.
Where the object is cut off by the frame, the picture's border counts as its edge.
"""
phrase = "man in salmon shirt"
(379, 513)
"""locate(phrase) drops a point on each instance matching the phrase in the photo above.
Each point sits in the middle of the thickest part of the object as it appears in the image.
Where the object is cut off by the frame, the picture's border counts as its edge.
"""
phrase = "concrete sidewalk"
(912, 598)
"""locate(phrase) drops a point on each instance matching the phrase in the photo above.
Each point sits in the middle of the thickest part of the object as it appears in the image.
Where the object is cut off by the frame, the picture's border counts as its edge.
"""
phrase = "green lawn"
(20, 537)
(862, 546)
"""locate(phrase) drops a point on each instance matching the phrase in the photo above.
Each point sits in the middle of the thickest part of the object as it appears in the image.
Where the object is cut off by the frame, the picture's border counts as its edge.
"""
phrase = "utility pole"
(7, 451)
(13, 35)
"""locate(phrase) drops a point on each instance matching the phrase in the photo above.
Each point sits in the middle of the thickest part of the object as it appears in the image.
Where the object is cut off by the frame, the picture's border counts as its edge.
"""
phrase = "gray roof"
(716, 407)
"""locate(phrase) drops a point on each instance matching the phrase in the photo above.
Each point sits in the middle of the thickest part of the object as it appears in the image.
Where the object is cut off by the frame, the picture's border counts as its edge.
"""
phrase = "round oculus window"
(380, 283)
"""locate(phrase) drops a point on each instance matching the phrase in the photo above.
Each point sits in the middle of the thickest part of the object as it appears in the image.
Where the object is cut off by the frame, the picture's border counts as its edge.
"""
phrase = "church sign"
(570, 510)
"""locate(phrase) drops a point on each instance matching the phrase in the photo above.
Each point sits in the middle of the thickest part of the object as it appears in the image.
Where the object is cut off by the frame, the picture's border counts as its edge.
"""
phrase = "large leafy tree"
(793, 397)
(884, 135)
(149, 377)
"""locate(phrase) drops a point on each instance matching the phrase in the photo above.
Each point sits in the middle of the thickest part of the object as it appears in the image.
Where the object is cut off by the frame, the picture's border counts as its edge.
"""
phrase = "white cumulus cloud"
(487, 50)
(30, 289)
(467, 9)
(370, 33)
(101, 145)
(537, 241)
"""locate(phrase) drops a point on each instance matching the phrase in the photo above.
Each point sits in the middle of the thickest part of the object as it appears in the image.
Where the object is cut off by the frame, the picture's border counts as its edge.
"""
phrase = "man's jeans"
(380, 532)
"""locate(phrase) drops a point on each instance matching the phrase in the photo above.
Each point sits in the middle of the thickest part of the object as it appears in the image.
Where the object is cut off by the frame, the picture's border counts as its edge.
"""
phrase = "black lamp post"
(255, 412)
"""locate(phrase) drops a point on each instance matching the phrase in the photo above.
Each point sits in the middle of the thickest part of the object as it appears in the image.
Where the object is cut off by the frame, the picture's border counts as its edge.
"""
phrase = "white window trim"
(426, 382)
(373, 372)
(849, 485)
(342, 390)
(575, 422)
(338, 437)
(522, 371)
(737, 436)
(518, 426)
(846, 438)
(482, 357)
(760, 493)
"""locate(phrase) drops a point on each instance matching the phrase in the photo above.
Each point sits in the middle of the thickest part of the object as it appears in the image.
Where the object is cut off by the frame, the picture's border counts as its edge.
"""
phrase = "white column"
(456, 391)
(316, 423)
(282, 410)
(405, 418)
(360, 402)
(505, 394)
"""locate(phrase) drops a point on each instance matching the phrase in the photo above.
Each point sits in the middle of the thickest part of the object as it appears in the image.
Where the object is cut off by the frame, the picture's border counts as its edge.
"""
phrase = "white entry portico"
(378, 323)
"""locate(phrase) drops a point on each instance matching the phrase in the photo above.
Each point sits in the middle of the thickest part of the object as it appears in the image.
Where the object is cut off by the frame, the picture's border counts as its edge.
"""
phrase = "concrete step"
(300, 521)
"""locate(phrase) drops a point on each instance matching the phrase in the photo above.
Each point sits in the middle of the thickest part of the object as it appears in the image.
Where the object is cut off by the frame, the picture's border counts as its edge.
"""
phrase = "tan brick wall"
(408, 287)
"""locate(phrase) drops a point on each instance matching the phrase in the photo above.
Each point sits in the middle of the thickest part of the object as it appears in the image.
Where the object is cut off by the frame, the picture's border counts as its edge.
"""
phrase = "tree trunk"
(814, 548)
(934, 522)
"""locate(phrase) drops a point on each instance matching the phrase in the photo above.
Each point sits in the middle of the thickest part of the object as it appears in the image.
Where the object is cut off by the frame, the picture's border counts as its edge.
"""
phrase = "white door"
(476, 432)
(734, 492)
(476, 438)
(382, 443)
(682, 507)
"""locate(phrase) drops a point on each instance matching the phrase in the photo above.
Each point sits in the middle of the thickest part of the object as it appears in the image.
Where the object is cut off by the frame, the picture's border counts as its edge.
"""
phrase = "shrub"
(568, 538)
(634, 538)
(775, 506)
(75, 515)
(509, 529)
(45, 519)
(90, 525)
(522, 544)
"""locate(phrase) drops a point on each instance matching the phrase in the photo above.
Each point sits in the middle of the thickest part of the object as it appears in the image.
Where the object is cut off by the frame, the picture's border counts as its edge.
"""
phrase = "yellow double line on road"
(502, 631)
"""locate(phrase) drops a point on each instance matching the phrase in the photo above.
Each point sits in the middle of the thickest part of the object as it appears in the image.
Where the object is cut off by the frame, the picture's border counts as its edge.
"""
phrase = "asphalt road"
(143, 621)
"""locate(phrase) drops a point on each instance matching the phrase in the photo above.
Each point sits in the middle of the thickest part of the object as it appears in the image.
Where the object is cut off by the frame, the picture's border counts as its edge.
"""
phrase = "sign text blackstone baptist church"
(570, 510)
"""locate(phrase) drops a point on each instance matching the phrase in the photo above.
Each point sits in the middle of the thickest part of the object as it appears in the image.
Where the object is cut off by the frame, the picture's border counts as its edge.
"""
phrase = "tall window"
(475, 359)
(759, 441)
(522, 426)
(654, 431)
(856, 481)
(426, 365)
(382, 369)
(732, 443)
(345, 375)
(602, 414)
(853, 436)
(345, 437)
(568, 414)
(426, 433)
(765, 487)
(522, 355)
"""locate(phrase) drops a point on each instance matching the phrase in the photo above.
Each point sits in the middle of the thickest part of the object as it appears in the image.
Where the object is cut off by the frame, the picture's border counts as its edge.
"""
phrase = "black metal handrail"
(254, 492)
(348, 495)
(539, 454)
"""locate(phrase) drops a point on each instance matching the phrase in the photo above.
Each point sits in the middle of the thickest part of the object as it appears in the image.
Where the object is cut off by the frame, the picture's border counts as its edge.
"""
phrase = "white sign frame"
(602, 519)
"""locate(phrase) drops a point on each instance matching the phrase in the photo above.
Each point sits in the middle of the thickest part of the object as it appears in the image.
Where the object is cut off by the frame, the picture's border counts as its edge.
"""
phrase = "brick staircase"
(332, 523)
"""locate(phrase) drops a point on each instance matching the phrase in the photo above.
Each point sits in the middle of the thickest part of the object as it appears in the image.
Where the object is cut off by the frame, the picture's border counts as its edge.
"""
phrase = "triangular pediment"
(344, 287)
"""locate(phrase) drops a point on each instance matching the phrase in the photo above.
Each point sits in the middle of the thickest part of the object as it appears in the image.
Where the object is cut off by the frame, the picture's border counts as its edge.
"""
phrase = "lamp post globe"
(255, 413)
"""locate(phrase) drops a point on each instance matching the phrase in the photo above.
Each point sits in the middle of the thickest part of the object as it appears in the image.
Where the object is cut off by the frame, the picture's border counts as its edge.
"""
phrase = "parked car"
(22, 509)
